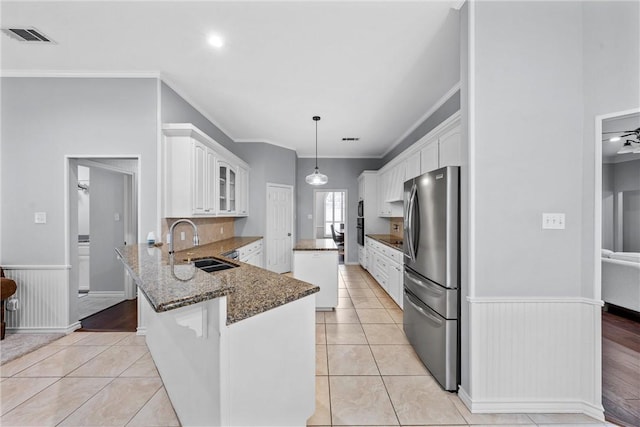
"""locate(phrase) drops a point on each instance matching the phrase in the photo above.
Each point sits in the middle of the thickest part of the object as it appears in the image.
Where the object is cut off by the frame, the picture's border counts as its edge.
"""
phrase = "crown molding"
(424, 117)
(80, 74)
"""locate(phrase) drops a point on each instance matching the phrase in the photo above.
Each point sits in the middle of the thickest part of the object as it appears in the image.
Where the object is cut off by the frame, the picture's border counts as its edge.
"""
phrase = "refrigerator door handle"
(409, 222)
(433, 289)
(422, 311)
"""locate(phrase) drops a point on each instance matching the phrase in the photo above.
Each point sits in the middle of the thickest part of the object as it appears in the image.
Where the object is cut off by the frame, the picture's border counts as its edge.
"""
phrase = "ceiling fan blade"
(620, 131)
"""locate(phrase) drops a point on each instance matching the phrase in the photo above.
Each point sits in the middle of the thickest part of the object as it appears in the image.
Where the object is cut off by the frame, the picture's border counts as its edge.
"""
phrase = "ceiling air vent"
(27, 35)
(351, 139)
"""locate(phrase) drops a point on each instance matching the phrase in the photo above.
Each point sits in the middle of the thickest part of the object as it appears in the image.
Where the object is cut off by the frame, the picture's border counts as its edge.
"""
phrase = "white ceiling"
(369, 69)
(618, 125)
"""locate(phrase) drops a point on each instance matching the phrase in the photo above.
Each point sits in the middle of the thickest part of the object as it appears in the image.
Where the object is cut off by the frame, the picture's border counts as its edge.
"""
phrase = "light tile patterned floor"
(85, 379)
(368, 374)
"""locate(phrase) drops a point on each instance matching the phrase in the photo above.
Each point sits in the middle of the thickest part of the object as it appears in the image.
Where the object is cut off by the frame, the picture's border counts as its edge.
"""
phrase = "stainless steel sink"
(211, 265)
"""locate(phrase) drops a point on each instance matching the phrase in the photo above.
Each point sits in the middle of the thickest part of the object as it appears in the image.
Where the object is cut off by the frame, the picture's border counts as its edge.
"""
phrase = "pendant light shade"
(317, 178)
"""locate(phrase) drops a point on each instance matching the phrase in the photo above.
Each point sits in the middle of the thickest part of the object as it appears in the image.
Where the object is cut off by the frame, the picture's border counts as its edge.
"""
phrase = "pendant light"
(317, 178)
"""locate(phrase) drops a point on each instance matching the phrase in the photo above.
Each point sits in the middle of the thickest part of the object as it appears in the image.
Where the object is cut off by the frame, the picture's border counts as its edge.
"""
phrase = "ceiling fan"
(629, 145)
(636, 133)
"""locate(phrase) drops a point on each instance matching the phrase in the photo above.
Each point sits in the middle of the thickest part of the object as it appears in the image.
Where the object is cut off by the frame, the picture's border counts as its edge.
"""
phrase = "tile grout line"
(98, 391)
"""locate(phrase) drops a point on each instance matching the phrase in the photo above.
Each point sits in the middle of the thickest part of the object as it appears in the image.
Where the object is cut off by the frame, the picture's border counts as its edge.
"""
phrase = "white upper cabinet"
(242, 192)
(439, 148)
(390, 190)
(450, 147)
(429, 156)
(413, 166)
(443, 148)
(226, 188)
(200, 177)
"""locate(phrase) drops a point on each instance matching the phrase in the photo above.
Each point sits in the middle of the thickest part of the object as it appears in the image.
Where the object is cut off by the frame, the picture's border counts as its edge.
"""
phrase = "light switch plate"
(553, 221)
(40, 217)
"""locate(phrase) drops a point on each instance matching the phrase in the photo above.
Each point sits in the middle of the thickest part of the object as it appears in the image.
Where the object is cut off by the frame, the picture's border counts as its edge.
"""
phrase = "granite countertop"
(316, 245)
(249, 290)
(388, 239)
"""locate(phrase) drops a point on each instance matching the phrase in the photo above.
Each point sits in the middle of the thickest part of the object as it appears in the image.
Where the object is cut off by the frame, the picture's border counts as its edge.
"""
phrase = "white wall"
(84, 200)
(107, 232)
(318, 217)
(610, 84)
(44, 119)
(528, 138)
(269, 164)
(626, 183)
(534, 77)
(607, 206)
(343, 174)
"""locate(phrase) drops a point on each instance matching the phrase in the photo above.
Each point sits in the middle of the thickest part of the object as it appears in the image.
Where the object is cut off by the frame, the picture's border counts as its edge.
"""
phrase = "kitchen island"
(234, 347)
(316, 261)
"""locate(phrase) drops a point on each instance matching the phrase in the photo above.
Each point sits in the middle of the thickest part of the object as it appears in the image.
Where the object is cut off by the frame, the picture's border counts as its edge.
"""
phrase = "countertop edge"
(382, 240)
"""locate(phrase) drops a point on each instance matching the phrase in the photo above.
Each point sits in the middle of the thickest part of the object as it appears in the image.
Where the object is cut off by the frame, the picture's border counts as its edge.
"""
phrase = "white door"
(279, 232)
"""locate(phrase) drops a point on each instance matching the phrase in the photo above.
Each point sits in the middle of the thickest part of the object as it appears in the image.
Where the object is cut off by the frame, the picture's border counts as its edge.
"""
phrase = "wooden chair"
(8, 288)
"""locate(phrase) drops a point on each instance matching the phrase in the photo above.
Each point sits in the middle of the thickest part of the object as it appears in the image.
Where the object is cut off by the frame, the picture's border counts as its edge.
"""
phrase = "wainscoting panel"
(43, 294)
(535, 355)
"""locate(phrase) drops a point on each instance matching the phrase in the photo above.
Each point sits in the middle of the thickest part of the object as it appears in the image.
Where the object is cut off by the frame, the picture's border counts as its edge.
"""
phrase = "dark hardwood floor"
(122, 317)
(621, 369)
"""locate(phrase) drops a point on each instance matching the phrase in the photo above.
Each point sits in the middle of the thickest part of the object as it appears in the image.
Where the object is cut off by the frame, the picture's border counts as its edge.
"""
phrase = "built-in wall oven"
(360, 208)
(360, 231)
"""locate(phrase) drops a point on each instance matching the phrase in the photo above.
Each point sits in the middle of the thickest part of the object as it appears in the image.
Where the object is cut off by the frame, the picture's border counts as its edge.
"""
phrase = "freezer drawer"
(444, 301)
(434, 339)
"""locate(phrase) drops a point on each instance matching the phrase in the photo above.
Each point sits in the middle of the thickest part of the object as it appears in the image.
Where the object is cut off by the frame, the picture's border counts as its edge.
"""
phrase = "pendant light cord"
(316, 144)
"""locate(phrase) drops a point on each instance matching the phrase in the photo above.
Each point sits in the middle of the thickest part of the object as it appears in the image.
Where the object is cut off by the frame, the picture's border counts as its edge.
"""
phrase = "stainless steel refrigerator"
(432, 272)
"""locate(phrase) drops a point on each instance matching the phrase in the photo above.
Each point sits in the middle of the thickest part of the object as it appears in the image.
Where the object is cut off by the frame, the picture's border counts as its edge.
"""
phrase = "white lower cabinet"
(362, 256)
(395, 282)
(386, 266)
(252, 254)
(321, 269)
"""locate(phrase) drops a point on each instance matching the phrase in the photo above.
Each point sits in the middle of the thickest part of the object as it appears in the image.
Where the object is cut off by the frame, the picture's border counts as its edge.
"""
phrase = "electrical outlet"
(116, 216)
(221, 230)
(553, 221)
(40, 217)
(182, 235)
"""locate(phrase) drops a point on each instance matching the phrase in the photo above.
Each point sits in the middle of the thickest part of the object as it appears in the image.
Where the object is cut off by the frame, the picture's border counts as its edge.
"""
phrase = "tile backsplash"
(395, 227)
(209, 230)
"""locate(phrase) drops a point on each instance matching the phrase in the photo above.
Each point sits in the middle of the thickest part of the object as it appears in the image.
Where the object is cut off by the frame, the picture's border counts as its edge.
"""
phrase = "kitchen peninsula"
(234, 347)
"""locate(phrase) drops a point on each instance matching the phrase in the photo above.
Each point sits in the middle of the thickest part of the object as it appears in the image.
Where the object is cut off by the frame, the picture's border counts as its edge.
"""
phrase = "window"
(333, 211)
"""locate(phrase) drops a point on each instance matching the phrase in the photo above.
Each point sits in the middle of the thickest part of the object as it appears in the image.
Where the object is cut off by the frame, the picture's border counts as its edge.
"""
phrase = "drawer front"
(442, 300)
(395, 255)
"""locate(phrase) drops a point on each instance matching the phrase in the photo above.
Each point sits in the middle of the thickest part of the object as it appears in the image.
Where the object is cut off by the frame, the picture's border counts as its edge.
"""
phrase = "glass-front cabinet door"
(226, 188)
(232, 190)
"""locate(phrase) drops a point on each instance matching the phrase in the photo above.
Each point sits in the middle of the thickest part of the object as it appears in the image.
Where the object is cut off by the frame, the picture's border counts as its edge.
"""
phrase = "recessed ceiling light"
(216, 41)
(614, 139)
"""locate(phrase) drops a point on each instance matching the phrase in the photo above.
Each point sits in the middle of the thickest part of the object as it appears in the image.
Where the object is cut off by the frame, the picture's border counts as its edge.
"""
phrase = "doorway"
(617, 230)
(279, 228)
(103, 214)
(329, 218)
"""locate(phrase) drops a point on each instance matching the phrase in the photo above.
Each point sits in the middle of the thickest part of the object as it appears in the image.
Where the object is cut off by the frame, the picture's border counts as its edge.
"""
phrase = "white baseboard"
(65, 330)
(521, 407)
(141, 330)
(110, 294)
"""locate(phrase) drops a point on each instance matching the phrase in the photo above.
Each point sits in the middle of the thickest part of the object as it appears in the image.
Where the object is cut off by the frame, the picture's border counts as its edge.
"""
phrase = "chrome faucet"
(196, 240)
